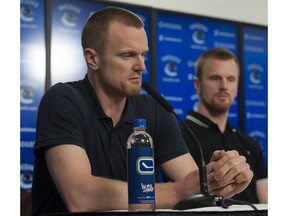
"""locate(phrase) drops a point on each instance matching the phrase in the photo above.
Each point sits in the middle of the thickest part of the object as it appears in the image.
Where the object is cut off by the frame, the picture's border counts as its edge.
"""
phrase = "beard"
(130, 92)
(123, 90)
(120, 89)
(217, 107)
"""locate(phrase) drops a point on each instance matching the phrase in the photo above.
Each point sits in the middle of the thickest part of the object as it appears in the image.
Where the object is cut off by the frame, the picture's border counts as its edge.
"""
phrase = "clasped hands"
(228, 173)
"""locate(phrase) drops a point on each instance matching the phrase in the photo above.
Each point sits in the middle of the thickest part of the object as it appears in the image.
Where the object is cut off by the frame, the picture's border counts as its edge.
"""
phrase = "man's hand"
(228, 173)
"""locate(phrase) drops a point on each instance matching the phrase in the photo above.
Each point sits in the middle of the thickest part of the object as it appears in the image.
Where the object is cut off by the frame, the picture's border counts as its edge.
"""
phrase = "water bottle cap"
(139, 123)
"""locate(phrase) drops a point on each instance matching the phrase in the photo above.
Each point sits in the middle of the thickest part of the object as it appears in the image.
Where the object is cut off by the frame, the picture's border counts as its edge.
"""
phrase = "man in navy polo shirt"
(83, 126)
(216, 82)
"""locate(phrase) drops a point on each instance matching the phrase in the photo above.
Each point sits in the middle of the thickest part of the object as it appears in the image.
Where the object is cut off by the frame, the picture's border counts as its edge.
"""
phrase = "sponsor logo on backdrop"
(28, 144)
(256, 103)
(27, 95)
(252, 48)
(171, 68)
(251, 37)
(254, 38)
(28, 90)
(219, 33)
(229, 46)
(27, 13)
(69, 14)
(198, 36)
(69, 18)
(224, 34)
(250, 115)
(174, 98)
(26, 176)
(162, 37)
(171, 26)
(255, 72)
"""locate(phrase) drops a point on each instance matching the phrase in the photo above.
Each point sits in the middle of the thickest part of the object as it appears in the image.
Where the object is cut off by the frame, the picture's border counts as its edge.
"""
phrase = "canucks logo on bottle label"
(145, 165)
(141, 176)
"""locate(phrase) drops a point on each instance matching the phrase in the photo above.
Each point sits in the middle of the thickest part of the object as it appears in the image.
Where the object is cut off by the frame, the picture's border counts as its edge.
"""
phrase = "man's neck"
(218, 118)
(112, 105)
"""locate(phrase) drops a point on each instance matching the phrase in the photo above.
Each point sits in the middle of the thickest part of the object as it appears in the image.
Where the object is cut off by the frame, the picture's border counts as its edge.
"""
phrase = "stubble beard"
(130, 91)
(217, 107)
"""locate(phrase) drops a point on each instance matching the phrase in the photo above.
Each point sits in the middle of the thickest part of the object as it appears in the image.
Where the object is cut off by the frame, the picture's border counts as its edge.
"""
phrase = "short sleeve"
(59, 119)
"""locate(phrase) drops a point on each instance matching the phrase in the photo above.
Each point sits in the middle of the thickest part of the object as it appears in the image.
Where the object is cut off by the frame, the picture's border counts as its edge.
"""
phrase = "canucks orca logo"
(255, 77)
(145, 165)
(171, 69)
(69, 14)
(26, 176)
(198, 37)
(68, 19)
(255, 71)
(27, 93)
(26, 14)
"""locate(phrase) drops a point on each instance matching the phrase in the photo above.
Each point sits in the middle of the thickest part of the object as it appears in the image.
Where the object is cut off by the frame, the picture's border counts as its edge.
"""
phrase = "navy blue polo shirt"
(66, 116)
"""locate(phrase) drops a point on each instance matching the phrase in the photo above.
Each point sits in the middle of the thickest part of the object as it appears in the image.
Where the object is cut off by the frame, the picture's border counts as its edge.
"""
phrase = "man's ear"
(196, 83)
(91, 58)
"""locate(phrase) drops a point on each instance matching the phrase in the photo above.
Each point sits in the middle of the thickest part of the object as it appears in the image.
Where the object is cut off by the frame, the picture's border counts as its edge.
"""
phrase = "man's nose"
(223, 84)
(140, 64)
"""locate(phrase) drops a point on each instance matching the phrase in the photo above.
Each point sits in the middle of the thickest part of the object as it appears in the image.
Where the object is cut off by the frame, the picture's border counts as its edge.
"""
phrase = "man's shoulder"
(62, 87)
(54, 91)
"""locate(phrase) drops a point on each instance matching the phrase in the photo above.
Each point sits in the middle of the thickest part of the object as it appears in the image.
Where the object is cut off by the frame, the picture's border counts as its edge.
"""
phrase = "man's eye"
(214, 78)
(231, 79)
(126, 56)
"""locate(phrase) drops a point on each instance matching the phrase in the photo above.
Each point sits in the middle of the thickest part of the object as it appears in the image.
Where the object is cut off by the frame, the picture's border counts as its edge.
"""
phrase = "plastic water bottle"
(141, 181)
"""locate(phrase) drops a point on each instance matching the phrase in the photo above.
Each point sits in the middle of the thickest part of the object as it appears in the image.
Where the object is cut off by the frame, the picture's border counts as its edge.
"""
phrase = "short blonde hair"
(95, 31)
(215, 53)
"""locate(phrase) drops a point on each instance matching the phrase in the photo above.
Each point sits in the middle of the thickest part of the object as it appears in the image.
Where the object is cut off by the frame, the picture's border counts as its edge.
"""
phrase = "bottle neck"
(139, 129)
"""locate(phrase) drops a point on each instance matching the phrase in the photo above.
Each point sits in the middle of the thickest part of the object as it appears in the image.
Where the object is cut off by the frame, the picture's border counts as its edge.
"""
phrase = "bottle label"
(141, 176)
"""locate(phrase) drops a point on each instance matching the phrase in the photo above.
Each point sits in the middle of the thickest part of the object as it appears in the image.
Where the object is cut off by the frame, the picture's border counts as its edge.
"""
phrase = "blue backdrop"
(175, 41)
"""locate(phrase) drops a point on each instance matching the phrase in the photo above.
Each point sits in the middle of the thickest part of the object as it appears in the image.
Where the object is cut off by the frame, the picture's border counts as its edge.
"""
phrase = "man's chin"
(222, 109)
(134, 92)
